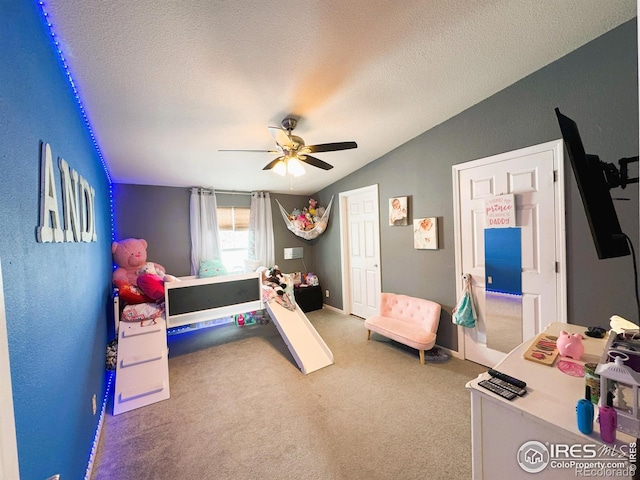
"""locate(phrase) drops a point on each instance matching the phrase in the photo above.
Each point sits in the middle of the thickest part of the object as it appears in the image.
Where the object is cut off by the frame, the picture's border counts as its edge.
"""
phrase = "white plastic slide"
(305, 344)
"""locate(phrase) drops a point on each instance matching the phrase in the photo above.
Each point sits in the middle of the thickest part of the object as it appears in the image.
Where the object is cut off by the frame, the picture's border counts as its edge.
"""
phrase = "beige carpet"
(241, 409)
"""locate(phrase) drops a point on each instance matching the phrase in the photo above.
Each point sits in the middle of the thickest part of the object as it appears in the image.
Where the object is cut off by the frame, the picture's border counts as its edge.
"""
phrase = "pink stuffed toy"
(130, 255)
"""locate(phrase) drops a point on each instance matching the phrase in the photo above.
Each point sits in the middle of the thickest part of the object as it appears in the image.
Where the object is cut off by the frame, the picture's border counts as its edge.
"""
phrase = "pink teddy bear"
(130, 256)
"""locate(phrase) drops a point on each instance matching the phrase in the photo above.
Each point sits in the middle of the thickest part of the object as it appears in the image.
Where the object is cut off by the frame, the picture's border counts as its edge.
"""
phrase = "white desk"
(547, 413)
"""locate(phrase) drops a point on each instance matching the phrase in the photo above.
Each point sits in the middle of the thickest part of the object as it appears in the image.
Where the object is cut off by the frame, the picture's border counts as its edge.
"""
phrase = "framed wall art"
(425, 233)
(398, 211)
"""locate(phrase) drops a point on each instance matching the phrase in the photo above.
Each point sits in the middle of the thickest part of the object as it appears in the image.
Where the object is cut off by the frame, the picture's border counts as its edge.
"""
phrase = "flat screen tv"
(598, 205)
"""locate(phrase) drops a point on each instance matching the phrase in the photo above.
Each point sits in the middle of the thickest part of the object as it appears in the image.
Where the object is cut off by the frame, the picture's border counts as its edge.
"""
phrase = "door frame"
(343, 198)
(8, 440)
(559, 205)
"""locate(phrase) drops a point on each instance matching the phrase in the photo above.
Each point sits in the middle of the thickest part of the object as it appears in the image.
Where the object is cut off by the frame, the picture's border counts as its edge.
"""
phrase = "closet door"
(360, 231)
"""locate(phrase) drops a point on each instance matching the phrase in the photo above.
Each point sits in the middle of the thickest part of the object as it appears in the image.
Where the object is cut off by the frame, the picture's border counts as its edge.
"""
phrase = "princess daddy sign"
(500, 211)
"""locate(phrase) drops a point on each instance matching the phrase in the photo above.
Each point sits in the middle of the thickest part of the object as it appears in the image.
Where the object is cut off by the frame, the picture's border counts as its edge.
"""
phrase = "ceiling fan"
(291, 147)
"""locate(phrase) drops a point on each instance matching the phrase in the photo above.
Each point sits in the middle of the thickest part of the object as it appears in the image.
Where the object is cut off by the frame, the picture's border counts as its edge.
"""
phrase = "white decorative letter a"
(49, 229)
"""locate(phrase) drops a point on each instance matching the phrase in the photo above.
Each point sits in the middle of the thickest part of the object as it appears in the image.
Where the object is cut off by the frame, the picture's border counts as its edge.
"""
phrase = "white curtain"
(205, 240)
(261, 243)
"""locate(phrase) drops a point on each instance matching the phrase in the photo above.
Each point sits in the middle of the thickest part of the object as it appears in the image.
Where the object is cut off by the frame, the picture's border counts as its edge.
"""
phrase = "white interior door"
(360, 239)
(535, 176)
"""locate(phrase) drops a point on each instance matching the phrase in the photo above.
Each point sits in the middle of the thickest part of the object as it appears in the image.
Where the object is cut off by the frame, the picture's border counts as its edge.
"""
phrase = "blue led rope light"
(96, 438)
(72, 83)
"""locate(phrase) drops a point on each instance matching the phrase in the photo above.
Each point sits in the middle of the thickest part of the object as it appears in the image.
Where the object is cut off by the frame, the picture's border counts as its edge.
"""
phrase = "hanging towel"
(464, 313)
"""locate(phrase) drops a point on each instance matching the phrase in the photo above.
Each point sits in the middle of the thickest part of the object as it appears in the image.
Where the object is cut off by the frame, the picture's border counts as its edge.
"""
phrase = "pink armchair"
(409, 320)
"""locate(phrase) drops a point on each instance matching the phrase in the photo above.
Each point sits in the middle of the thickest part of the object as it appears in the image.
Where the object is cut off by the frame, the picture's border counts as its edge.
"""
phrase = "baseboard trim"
(453, 353)
(96, 438)
(335, 309)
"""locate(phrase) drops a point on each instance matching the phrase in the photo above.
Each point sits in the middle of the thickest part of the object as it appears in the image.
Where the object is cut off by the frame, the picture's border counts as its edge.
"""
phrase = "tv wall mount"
(618, 177)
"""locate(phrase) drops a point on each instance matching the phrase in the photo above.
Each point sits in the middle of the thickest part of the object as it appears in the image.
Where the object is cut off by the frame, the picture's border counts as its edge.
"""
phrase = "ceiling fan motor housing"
(297, 142)
(289, 124)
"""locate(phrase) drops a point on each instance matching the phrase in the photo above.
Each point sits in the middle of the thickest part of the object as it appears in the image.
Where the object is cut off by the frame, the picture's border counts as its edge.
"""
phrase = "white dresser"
(546, 415)
(142, 372)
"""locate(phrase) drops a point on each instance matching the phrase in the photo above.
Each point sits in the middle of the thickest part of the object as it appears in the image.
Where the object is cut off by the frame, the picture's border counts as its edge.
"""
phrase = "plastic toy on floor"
(243, 319)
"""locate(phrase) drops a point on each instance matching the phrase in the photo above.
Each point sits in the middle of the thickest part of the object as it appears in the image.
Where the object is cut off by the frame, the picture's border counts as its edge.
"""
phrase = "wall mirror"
(503, 288)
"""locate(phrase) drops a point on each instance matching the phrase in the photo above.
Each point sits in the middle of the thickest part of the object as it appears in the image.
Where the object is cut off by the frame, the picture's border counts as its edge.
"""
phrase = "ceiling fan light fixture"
(295, 168)
(280, 168)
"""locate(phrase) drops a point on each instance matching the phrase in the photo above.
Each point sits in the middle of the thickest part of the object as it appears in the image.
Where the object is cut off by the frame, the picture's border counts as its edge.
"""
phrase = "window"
(233, 225)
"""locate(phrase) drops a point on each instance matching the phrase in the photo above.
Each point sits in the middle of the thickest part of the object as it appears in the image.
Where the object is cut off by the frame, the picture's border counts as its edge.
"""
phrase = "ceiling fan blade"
(330, 147)
(259, 151)
(281, 137)
(272, 164)
(316, 162)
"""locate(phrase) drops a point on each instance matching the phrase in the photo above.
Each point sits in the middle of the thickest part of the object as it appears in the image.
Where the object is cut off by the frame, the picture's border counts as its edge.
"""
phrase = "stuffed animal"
(299, 222)
(274, 278)
(130, 255)
(312, 279)
(309, 220)
(211, 268)
(312, 206)
(150, 268)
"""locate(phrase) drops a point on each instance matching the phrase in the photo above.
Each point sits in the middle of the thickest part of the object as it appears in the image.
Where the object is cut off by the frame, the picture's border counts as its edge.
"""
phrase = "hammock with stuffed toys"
(307, 224)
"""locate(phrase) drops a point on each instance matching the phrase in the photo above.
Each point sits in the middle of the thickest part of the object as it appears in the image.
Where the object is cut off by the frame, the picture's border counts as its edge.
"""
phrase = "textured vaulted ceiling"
(166, 84)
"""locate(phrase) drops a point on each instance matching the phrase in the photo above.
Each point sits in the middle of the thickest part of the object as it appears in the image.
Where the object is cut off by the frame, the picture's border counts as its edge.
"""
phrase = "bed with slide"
(142, 369)
(194, 300)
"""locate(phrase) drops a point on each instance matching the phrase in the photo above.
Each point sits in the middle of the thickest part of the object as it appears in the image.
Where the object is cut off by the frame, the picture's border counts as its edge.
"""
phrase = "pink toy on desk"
(570, 345)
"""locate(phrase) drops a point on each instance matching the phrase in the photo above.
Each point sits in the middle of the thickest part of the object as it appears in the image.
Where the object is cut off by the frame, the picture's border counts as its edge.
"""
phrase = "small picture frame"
(425, 233)
(398, 211)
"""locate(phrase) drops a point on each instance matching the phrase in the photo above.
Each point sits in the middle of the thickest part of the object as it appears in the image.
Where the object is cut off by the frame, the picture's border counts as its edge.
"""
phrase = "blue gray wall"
(169, 238)
(56, 294)
(595, 85)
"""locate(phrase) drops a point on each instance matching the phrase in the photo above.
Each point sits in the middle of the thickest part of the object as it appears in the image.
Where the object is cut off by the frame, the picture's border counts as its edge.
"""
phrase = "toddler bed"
(193, 300)
(198, 299)
(142, 369)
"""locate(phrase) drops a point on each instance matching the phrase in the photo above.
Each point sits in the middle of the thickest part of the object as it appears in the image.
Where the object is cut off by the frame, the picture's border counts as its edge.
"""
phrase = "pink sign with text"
(500, 211)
